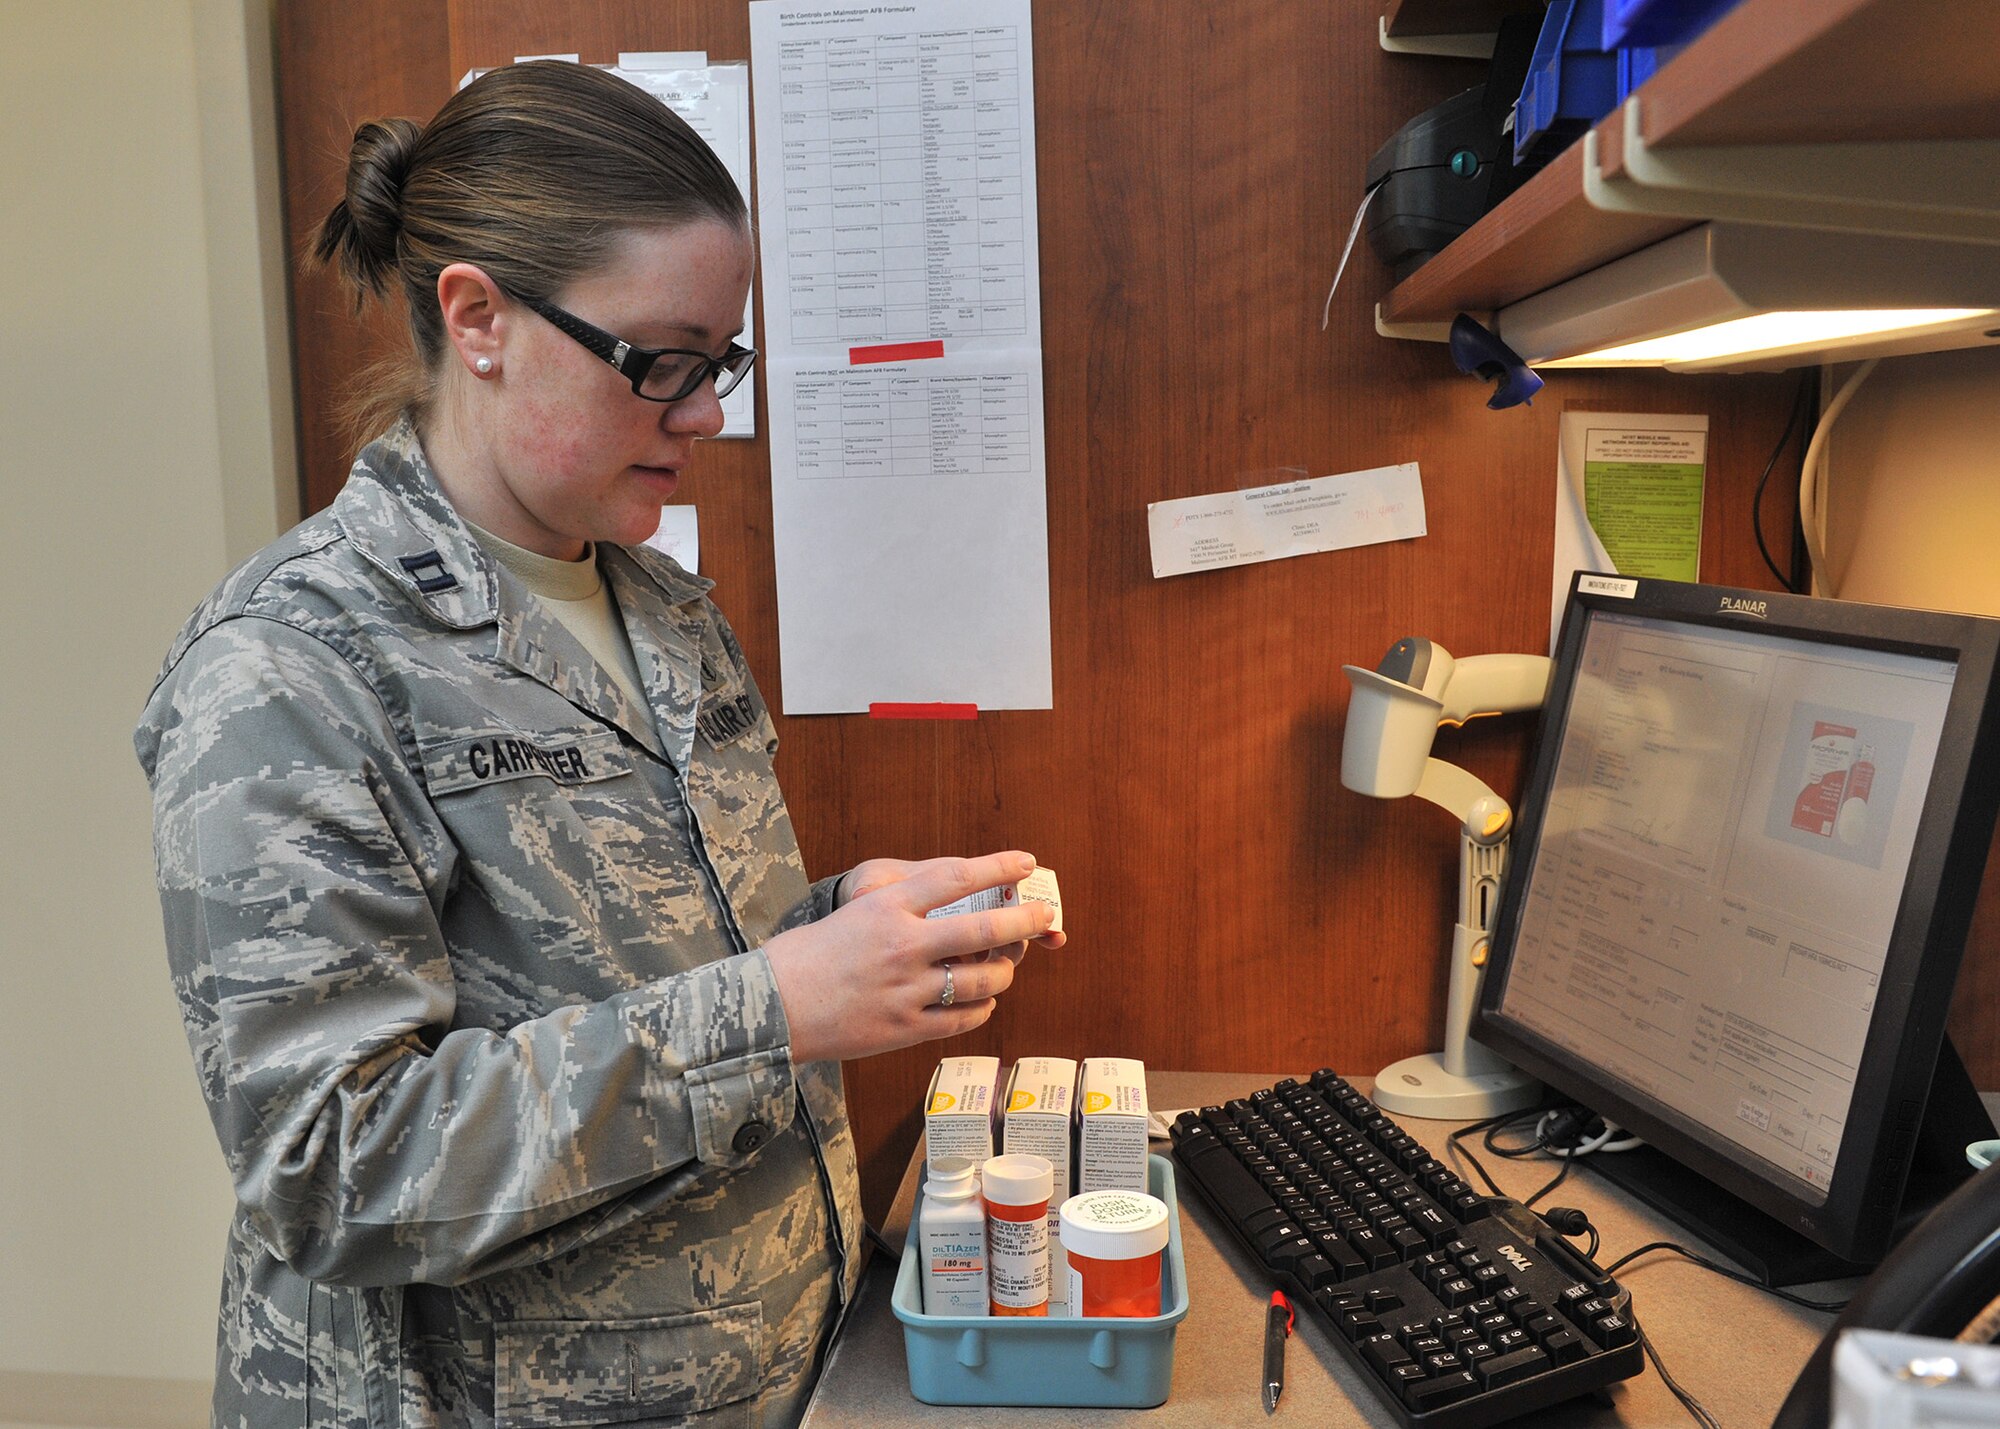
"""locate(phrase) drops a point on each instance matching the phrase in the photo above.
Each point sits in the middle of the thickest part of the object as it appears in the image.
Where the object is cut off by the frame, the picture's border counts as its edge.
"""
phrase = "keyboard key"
(1289, 1251)
(1584, 1311)
(1343, 1260)
(1430, 1222)
(1334, 1301)
(1457, 1291)
(1277, 1234)
(1385, 1354)
(1260, 1220)
(1316, 1272)
(1573, 1296)
(1374, 1251)
(1233, 1190)
(1435, 1275)
(1403, 1375)
(1358, 1325)
(1611, 1331)
(1565, 1346)
(1446, 1389)
(1511, 1368)
(1407, 1242)
(1542, 1326)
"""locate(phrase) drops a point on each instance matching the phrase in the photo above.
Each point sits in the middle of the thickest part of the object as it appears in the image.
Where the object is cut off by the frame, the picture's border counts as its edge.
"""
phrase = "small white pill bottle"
(951, 1239)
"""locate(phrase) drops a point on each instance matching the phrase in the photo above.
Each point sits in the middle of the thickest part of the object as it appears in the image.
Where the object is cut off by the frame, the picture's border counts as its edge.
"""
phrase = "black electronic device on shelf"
(1446, 167)
(1461, 1310)
(1742, 875)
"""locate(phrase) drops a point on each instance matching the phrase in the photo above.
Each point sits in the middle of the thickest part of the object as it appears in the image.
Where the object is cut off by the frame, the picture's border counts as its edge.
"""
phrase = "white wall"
(144, 444)
(1913, 509)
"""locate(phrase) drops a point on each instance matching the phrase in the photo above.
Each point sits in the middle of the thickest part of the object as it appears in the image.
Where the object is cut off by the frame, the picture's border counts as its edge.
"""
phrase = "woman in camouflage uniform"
(517, 1017)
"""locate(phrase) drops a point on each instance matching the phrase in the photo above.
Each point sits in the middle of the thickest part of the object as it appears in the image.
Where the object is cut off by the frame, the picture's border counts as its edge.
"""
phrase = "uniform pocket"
(670, 1368)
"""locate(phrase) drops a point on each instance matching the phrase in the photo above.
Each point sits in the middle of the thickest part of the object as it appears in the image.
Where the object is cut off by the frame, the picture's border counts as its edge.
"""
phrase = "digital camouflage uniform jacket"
(468, 952)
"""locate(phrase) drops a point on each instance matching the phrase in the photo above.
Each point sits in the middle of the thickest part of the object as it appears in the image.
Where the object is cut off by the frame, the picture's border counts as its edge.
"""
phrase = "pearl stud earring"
(483, 366)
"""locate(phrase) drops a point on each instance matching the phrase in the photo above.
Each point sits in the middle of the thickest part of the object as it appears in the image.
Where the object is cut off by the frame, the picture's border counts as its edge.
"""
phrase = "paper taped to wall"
(1293, 518)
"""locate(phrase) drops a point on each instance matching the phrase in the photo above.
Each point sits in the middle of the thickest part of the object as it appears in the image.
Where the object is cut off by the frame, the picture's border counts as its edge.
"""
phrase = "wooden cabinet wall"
(1230, 906)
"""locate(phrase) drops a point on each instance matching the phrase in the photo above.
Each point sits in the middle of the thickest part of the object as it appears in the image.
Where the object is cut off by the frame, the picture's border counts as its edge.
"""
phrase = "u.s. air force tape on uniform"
(1037, 887)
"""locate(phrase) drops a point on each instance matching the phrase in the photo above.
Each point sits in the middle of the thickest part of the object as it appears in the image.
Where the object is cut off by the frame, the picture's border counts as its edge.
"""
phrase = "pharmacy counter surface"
(1733, 1348)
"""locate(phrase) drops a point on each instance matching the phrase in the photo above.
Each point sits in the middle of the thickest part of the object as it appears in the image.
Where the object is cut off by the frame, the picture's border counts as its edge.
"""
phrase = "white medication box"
(1035, 1120)
(1037, 887)
(1111, 1125)
(958, 1110)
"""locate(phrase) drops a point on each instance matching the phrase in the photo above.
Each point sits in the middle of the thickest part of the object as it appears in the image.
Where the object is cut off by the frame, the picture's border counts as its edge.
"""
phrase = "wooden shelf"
(1770, 72)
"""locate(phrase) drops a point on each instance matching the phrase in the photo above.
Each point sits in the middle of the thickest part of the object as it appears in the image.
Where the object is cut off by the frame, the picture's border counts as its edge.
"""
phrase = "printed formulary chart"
(903, 186)
(897, 217)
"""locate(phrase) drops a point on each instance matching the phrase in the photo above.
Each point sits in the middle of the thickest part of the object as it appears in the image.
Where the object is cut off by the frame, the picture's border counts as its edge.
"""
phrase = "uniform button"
(750, 1136)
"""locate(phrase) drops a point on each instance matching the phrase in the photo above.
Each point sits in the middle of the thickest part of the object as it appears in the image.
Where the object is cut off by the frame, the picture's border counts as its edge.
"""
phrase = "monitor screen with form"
(1725, 920)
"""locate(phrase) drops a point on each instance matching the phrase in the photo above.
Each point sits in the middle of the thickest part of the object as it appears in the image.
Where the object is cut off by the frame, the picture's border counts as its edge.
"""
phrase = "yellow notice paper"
(1628, 498)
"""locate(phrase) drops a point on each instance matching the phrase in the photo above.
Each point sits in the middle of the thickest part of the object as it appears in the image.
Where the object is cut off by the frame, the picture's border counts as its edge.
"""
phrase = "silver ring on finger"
(950, 993)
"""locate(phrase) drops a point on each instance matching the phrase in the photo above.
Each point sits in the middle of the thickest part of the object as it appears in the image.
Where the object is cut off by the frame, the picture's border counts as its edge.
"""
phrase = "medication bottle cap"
(1113, 1225)
(951, 1178)
(1018, 1180)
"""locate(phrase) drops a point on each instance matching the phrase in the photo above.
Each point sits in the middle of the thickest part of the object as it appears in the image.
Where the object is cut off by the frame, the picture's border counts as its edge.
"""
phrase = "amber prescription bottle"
(1017, 1190)
(1114, 1240)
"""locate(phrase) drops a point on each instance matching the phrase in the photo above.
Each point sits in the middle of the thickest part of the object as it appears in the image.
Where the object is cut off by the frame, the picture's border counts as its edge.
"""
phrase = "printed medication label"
(1037, 887)
(958, 1108)
(1018, 1253)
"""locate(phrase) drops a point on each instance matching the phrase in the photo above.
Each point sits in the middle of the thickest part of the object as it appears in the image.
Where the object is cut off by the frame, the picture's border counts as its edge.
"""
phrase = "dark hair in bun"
(533, 172)
(360, 234)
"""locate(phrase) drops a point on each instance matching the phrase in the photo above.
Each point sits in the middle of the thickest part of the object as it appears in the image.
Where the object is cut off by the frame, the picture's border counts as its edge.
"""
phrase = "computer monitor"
(1746, 859)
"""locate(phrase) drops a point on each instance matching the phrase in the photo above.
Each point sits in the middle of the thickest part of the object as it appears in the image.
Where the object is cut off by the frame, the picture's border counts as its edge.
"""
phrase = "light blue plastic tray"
(1070, 1361)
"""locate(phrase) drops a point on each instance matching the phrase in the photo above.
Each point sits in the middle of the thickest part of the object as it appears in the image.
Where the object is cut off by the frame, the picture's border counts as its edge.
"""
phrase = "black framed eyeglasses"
(658, 374)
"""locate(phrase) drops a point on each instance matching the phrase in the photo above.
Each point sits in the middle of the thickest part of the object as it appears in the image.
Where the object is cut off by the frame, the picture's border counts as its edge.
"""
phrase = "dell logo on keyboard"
(1515, 1258)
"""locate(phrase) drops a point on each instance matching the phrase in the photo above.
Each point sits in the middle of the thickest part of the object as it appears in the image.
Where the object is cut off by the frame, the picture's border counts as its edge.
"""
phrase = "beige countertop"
(1735, 1349)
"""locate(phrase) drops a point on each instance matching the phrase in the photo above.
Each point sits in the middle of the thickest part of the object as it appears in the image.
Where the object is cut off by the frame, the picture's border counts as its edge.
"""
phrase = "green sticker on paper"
(1643, 495)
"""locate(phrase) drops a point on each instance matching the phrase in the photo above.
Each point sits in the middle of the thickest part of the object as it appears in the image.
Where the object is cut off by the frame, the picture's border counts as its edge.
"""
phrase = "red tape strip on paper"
(886, 711)
(894, 352)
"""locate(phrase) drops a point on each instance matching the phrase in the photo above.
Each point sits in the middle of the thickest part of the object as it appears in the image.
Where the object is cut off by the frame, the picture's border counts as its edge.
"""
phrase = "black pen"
(1277, 1325)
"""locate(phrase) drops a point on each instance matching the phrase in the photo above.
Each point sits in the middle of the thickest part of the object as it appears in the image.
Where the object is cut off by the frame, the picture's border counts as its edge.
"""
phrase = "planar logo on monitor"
(1735, 605)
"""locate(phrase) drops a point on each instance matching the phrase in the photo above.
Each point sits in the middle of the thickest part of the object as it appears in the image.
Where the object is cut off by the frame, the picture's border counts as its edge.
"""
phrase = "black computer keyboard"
(1462, 1310)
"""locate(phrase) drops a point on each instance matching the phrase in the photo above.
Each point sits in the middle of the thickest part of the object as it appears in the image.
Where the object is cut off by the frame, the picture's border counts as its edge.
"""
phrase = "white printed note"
(1293, 518)
(679, 536)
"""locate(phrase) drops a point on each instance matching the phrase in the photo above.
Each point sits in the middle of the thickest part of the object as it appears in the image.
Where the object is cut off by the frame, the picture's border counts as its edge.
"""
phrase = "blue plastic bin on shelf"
(1639, 63)
(1572, 80)
(1658, 22)
(1067, 1361)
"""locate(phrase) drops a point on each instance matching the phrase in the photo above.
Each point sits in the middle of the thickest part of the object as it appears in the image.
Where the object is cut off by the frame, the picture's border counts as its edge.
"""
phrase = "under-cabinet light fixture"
(1735, 297)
